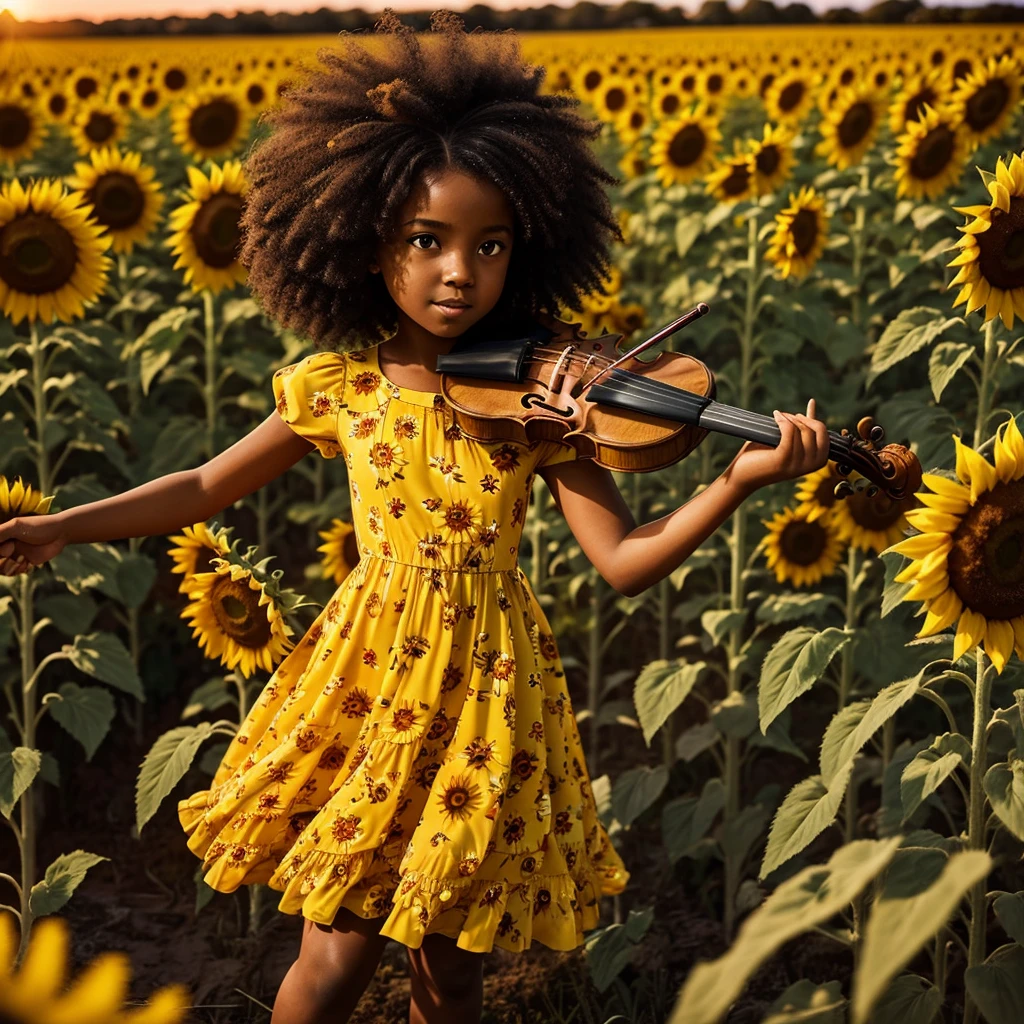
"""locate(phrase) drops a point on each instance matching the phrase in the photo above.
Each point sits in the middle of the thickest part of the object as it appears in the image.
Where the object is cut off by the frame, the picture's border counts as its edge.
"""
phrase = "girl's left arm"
(632, 558)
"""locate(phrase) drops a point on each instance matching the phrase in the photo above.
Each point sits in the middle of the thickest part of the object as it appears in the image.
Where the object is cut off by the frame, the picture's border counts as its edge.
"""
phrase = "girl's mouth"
(451, 310)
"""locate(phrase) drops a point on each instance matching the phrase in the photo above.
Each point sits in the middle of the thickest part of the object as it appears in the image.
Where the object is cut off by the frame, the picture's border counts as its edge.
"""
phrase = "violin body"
(542, 406)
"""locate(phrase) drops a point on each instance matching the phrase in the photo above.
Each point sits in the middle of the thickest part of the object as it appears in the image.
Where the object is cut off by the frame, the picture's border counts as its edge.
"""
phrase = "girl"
(413, 769)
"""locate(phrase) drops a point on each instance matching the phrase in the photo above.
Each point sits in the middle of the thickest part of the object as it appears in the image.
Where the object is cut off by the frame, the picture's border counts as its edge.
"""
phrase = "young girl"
(413, 769)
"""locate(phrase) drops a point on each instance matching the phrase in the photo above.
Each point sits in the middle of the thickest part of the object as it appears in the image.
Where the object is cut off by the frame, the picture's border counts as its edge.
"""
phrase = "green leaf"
(744, 829)
(931, 768)
(660, 688)
(62, 878)
(685, 821)
(1009, 910)
(698, 738)
(793, 665)
(855, 724)
(104, 657)
(163, 767)
(809, 808)
(776, 608)
(208, 696)
(908, 1000)
(922, 888)
(608, 952)
(688, 230)
(734, 715)
(893, 593)
(1004, 786)
(18, 767)
(72, 614)
(86, 712)
(997, 985)
(911, 330)
(636, 789)
(136, 575)
(806, 1003)
(719, 621)
(946, 359)
(800, 903)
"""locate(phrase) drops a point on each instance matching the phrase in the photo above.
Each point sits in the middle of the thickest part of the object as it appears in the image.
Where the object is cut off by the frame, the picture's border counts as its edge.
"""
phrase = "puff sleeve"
(309, 397)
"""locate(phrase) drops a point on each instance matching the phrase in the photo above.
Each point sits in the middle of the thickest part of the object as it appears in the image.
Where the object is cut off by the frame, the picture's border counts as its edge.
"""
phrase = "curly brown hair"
(352, 141)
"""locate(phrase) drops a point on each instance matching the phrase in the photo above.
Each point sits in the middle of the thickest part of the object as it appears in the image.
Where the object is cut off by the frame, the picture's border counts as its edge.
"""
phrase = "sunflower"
(683, 148)
(800, 549)
(35, 993)
(125, 199)
(968, 558)
(870, 522)
(732, 180)
(175, 78)
(667, 101)
(254, 92)
(816, 492)
(771, 159)
(84, 84)
(715, 83)
(341, 550)
(917, 92)
(198, 545)
(226, 613)
(96, 124)
(56, 104)
(930, 157)
(51, 253)
(850, 127)
(985, 99)
(991, 263)
(206, 232)
(22, 127)
(588, 77)
(20, 499)
(633, 163)
(611, 98)
(122, 95)
(149, 99)
(210, 123)
(800, 233)
(788, 98)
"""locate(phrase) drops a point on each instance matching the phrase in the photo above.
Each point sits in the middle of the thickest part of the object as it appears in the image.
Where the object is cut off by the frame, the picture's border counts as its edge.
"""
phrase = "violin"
(528, 380)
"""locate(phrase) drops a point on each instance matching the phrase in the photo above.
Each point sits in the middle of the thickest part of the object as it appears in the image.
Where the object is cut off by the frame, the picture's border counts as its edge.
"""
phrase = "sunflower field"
(807, 742)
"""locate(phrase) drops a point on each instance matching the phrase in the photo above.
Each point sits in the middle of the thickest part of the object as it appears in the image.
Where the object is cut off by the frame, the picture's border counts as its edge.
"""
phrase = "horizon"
(106, 10)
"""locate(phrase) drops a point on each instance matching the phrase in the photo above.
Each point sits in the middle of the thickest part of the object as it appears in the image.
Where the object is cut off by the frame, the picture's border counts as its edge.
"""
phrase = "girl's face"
(453, 242)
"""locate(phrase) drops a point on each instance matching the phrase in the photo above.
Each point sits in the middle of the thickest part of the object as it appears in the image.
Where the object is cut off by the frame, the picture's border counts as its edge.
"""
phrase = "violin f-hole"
(535, 401)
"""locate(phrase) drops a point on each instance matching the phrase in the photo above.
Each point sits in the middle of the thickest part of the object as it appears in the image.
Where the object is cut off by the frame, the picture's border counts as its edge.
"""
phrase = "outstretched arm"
(632, 558)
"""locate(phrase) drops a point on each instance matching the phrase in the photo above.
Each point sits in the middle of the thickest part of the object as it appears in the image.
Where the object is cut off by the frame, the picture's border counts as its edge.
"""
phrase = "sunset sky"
(98, 10)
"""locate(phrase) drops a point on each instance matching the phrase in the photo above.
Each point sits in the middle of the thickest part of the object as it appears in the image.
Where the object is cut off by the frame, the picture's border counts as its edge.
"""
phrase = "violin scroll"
(894, 467)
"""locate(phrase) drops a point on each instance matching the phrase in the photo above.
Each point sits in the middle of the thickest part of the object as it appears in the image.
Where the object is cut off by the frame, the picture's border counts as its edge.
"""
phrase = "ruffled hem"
(478, 912)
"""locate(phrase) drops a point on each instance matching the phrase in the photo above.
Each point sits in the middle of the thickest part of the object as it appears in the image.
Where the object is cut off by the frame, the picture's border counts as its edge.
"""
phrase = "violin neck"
(627, 390)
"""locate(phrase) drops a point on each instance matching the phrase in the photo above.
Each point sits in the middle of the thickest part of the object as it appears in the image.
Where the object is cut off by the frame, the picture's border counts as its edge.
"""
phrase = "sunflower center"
(175, 79)
(1001, 248)
(213, 124)
(117, 199)
(256, 94)
(58, 104)
(933, 154)
(877, 513)
(149, 98)
(591, 80)
(804, 230)
(767, 159)
(99, 128)
(986, 563)
(912, 110)
(215, 232)
(825, 492)
(987, 103)
(15, 126)
(961, 69)
(802, 543)
(687, 145)
(714, 83)
(615, 98)
(855, 125)
(847, 76)
(37, 255)
(738, 180)
(791, 96)
(85, 87)
(237, 611)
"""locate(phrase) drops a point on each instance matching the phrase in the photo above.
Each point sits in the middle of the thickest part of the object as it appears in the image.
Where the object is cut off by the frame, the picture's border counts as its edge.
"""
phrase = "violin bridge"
(558, 371)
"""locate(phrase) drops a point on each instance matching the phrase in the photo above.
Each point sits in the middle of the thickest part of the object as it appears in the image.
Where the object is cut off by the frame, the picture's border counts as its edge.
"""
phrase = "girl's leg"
(447, 983)
(334, 966)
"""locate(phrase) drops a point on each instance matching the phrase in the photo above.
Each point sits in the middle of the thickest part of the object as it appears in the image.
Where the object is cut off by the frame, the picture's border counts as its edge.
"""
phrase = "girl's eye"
(490, 241)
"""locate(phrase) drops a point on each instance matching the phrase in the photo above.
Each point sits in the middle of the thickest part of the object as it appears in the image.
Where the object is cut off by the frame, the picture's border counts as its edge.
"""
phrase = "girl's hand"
(802, 449)
(28, 542)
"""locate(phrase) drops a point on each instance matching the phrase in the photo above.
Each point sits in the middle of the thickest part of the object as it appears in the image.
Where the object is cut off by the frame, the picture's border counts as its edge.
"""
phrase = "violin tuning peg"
(843, 489)
(864, 427)
(877, 434)
(872, 490)
(844, 468)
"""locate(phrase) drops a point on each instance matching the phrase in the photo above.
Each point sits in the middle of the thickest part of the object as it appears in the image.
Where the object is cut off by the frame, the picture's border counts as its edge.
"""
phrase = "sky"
(98, 10)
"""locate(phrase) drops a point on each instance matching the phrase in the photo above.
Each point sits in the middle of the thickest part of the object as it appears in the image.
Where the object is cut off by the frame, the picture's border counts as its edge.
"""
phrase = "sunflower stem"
(976, 821)
(39, 409)
(210, 387)
(985, 384)
(858, 248)
(737, 546)
(846, 676)
(28, 798)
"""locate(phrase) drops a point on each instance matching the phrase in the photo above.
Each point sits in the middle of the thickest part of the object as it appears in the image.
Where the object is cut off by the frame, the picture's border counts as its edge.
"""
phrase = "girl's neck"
(413, 350)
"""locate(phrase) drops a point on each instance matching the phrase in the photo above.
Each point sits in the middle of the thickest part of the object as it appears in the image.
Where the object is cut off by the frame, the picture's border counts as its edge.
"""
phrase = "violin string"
(732, 415)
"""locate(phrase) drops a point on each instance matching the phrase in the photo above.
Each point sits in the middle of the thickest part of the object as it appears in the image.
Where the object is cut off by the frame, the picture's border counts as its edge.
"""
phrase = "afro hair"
(350, 143)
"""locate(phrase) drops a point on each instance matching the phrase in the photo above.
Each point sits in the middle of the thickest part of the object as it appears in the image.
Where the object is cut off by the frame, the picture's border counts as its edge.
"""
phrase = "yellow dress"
(415, 755)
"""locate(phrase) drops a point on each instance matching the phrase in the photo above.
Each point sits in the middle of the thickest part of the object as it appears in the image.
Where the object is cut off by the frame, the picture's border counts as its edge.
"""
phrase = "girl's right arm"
(160, 506)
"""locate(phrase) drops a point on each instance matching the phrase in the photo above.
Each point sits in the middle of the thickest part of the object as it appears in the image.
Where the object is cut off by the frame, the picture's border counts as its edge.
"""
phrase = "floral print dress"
(415, 756)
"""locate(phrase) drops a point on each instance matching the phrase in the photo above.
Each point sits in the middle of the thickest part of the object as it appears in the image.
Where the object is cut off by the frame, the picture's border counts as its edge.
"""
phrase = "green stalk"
(976, 821)
(858, 248)
(737, 545)
(29, 718)
(846, 677)
(664, 653)
(210, 389)
(985, 389)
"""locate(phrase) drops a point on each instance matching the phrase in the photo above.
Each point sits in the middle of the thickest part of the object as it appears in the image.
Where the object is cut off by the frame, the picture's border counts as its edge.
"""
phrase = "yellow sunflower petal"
(969, 633)
(999, 642)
